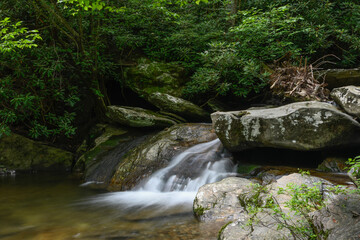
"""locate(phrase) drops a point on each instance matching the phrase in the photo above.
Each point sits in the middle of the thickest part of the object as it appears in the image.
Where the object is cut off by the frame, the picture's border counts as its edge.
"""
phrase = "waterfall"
(176, 185)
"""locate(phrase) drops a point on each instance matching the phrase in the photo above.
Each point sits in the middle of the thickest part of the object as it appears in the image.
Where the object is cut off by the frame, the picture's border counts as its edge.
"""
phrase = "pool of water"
(54, 206)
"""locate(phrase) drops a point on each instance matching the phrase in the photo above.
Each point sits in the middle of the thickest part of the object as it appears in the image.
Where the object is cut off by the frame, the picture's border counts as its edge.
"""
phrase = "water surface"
(54, 206)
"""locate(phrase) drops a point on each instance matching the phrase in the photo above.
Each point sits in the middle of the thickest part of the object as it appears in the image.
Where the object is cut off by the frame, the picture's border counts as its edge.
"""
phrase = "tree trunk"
(235, 7)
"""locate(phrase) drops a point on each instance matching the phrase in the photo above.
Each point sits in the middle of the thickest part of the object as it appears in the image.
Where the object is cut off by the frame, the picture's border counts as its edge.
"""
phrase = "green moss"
(247, 168)
(222, 229)
(199, 211)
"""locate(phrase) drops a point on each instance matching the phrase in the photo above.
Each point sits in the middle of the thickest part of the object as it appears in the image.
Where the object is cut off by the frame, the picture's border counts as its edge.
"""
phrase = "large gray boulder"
(298, 126)
(348, 98)
(156, 152)
(226, 200)
(21, 153)
(138, 117)
(179, 106)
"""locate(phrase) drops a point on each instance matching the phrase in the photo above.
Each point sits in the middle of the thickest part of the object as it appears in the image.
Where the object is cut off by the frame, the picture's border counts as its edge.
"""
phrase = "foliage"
(271, 32)
(85, 44)
(294, 214)
(14, 37)
(354, 166)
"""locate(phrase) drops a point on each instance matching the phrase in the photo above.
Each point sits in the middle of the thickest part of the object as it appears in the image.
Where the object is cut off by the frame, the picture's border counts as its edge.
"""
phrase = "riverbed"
(55, 206)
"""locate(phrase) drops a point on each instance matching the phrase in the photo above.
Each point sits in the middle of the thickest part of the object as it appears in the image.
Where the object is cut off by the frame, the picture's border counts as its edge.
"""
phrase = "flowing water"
(56, 207)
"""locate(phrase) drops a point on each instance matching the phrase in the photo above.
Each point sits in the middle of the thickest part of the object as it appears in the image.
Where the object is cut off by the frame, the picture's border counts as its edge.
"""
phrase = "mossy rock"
(150, 76)
(156, 152)
(179, 106)
(21, 153)
(139, 117)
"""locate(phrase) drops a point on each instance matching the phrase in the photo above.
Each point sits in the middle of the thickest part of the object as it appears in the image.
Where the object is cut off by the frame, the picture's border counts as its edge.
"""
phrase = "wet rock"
(333, 164)
(138, 117)
(21, 153)
(149, 77)
(220, 200)
(341, 77)
(156, 152)
(179, 106)
(348, 98)
(297, 126)
(354, 175)
(103, 150)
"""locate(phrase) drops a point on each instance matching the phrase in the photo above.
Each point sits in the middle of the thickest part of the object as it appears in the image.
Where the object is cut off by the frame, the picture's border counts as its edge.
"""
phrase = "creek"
(54, 206)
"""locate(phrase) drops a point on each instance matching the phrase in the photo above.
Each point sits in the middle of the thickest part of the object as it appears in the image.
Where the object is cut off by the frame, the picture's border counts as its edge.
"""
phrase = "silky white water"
(174, 187)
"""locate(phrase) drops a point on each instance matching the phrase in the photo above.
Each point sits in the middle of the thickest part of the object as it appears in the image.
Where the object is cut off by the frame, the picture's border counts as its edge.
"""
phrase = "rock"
(149, 76)
(298, 126)
(341, 77)
(267, 229)
(216, 105)
(20, 153)
(348, 98)
(354, 175)
(341, 217)
(104, 149)
(156, 152)
(333, 164)
(220, 200)
(179, 106)
(267, 226)
(298, 179)
(138, 117)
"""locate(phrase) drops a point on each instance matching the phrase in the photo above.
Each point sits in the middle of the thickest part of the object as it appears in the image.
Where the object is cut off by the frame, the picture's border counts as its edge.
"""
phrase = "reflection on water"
(54, 207)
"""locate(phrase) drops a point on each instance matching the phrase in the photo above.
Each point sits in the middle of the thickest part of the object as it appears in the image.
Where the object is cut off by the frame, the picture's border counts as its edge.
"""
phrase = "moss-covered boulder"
(348, 98)
(156, 152)
(21, 153)
(150, 76)
(139, 117)
(105, 151)
(179, 106)
(297, 126)
(341, 77)
(101, 138)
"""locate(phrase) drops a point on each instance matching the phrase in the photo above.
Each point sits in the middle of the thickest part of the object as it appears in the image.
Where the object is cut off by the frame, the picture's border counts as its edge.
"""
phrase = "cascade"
(176, 185)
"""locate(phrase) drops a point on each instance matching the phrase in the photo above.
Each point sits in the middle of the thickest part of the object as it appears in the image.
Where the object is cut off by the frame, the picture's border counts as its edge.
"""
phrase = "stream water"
(50, 206)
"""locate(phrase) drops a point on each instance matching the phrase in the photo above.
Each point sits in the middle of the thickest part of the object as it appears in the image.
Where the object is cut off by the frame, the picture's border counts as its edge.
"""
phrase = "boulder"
(220, 200)
(333, 164)
(298, 126)
(267, 225)
(150, 76)
(341, 217)
(156, 152)
(341, 77)
(103, 150)
(266, 229)
(21, 153)
(348, 98)
(138, 117)
(179, 106)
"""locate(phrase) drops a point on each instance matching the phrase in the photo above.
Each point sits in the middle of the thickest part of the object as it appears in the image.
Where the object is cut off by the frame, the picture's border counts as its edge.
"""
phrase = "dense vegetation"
(57, 56)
